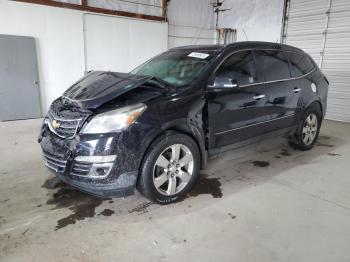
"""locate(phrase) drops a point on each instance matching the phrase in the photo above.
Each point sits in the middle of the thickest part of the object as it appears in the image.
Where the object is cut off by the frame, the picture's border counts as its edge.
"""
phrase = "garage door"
(322, 29)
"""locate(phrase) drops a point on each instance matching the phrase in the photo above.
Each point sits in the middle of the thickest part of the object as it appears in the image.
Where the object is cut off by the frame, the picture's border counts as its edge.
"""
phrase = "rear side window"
(240, 67)
(274, 65)
(301, 64)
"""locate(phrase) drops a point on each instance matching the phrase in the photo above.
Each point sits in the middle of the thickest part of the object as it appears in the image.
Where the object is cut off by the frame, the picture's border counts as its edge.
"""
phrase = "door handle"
(296, 90)
(258, 97)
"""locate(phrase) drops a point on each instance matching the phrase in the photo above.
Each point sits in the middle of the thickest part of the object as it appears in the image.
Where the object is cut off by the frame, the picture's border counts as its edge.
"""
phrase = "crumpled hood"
(99, 87)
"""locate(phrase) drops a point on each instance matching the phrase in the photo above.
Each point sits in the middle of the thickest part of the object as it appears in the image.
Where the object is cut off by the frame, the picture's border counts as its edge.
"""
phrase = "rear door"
(281, 92)
(236, 113)
(302, 69)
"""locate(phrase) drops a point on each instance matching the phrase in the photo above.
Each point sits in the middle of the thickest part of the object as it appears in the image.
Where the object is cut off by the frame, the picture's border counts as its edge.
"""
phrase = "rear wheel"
(308, 130)
(170, 168)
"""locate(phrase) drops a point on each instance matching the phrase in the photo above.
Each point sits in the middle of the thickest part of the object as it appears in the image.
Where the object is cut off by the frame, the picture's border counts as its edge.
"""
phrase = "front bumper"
(123, 186)
(119, 177)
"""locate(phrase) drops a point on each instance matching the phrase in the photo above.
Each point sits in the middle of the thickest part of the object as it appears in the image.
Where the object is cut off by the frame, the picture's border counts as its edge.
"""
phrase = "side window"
(239, 67)
(301, 64)
(274, 65)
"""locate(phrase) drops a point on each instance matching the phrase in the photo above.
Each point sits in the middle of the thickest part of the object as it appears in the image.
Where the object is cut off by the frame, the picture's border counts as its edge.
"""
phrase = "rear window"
(301, 64)
(274, 65)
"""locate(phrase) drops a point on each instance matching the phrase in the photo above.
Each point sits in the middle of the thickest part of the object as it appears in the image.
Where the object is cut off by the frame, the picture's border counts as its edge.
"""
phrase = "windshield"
(178, 67)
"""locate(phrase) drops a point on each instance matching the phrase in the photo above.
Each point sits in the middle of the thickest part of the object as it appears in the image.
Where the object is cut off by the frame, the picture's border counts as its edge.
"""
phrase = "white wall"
(59, 38)
(190, 22)
(255, 20)
(60, 43)
(130, 42)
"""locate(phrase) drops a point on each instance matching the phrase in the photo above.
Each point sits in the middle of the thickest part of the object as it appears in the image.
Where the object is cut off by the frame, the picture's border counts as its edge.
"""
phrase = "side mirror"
(223, 82)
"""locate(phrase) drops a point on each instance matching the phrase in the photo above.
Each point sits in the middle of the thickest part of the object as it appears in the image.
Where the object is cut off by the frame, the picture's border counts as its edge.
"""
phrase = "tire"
(169, 169)
(309, 128)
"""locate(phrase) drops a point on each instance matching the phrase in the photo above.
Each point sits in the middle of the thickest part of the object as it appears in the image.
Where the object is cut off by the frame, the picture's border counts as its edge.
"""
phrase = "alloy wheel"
(309, 131)
(173, 169)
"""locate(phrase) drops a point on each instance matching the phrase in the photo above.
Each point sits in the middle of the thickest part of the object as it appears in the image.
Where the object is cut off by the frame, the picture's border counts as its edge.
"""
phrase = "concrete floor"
(265, 202)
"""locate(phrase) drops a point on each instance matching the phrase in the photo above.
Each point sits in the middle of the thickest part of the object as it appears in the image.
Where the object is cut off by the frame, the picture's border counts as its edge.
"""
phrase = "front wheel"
(170, 168)
(308, 130)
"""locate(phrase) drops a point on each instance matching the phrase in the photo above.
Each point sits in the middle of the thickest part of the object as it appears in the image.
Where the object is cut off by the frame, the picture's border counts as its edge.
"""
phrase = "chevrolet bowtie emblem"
(55, 124)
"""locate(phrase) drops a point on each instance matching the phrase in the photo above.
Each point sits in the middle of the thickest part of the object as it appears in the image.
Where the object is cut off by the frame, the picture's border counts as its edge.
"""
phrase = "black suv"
(155, 127)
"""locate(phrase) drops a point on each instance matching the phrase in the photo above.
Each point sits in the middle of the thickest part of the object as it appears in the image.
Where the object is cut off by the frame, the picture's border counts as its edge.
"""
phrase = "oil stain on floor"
(107, 212)
(261, 163)
(285, 152)
(324, 144)
(205, 185)
(52, 183)
(333, 154)
(82, 205)
(321, 143)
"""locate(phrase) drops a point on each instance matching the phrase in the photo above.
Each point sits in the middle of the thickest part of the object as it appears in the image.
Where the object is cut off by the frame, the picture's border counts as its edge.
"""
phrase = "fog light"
(101, 165)
(100, 170)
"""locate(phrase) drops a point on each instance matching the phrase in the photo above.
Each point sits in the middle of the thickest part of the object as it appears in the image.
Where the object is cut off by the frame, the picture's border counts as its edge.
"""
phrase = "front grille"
(81, 168)
(55, 163)
(65, 128)
(65, 119)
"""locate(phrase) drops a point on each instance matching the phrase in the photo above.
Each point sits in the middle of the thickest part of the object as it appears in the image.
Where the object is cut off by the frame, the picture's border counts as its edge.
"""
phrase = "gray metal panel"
(326, 37)
(19, 88)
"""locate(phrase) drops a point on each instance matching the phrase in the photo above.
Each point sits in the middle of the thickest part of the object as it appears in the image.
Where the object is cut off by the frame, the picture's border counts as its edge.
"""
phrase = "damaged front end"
(87, 162)
(93, 157)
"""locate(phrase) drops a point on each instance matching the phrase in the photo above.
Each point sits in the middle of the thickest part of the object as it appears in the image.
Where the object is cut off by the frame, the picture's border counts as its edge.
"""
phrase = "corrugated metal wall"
(322, 28)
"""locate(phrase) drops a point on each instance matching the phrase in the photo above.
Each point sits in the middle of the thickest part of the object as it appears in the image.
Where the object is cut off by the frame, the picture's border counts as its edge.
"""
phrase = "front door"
(236, 101)
(19, 87)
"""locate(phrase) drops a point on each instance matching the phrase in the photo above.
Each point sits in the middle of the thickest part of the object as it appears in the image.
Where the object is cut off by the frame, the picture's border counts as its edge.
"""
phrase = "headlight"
(114, 120)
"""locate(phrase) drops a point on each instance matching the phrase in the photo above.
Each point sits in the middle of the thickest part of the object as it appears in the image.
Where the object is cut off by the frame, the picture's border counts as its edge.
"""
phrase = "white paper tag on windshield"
(198, 55)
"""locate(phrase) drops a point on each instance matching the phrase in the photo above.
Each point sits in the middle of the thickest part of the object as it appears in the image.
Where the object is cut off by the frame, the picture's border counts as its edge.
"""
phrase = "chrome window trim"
(282, 80)
(264, 82)
(255, 124)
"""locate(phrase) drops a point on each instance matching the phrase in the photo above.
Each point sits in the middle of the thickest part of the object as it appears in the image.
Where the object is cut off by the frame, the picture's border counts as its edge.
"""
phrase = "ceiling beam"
(84, 7)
